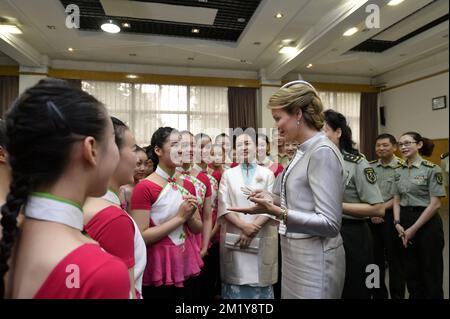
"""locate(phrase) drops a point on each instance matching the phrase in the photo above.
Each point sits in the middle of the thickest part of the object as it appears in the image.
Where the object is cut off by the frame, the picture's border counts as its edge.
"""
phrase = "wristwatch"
(396, 222)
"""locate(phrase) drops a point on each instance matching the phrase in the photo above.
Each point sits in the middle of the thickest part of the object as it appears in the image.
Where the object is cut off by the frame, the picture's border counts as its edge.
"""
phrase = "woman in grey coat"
(308, 201)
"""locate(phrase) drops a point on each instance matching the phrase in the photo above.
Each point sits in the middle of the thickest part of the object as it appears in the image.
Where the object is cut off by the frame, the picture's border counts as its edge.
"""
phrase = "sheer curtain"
(349, 105)
(145, 107)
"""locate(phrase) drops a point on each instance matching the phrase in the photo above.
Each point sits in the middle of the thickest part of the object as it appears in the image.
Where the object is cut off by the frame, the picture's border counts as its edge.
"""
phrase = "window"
(346, 103)
(145, 107)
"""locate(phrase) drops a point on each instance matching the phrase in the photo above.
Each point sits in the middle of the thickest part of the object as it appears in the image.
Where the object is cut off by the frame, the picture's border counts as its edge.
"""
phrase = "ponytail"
(427, 144)
(159, 137)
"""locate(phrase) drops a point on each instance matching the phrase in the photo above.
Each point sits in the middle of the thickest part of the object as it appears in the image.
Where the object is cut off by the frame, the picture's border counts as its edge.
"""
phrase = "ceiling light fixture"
(126, 25)
(241, 20)
(70, 49)
(195, 30)
(110, 27)
(287, 49)
(309, 66)
(132, 76)
(350, 32)
(395, 2)
(10, 28)
(279, 15)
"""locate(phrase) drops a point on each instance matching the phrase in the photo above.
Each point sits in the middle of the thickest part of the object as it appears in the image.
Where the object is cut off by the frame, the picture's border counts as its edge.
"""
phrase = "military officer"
(418, 188)
(362, 199)
(387, 244)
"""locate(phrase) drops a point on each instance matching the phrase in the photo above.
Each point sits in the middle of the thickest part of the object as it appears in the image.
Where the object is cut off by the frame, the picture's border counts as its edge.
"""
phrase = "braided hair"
(42, 126)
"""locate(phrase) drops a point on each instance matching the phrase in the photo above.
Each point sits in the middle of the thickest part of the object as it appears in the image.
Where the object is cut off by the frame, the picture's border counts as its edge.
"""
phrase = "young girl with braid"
(61, 149)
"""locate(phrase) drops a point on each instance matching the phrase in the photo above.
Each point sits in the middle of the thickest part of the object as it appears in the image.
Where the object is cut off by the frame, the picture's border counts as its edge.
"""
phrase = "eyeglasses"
(407, 144)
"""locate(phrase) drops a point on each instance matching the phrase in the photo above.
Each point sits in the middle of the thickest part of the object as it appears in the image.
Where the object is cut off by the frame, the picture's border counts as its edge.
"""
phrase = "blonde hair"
(297, 97)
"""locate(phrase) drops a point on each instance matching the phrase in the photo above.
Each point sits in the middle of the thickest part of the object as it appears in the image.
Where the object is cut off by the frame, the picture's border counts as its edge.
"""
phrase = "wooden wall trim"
(152, 78)
(9, 70)
(179, 79)
(342, 87)
(415, 80)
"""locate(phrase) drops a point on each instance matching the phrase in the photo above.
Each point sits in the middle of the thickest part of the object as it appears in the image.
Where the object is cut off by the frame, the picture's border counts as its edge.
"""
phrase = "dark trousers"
(423, 258)
(379, 233)
(387, 246)
(395, 257)
(358, 255)
(209, 281)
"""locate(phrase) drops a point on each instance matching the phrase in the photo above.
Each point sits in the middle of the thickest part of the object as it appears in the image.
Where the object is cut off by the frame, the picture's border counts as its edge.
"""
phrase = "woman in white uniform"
(248, 243)
(309, 200)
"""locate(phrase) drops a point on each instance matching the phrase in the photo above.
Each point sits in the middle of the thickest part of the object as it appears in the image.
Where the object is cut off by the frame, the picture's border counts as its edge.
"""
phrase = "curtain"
(349, 104)
(9, 90)
(369, 124)
(242, 107)
(145, 107)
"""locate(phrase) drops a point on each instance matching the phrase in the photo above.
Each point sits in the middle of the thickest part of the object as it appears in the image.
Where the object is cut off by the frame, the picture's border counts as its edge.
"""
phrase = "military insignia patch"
(439, 178)
(371, 176)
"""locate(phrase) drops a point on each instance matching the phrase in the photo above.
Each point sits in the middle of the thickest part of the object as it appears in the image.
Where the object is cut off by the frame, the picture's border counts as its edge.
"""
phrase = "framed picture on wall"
(439, 102)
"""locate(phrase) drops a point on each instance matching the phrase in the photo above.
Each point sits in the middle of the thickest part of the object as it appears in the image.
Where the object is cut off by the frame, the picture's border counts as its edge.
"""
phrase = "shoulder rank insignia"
(373, 162)
(444, 155)
(371, 176)
(428, 164)
(439, 178)
(352, 158)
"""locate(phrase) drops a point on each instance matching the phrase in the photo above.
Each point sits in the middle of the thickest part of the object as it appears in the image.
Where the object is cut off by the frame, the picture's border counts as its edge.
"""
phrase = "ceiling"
(242, 35)
(214, 19)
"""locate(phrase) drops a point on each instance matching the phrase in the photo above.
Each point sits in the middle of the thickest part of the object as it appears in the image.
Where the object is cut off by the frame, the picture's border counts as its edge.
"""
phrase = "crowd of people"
(87, 213)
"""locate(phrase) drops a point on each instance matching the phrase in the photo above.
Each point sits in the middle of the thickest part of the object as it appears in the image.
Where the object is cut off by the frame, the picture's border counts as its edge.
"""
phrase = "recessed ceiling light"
(287, 50)
(350, 32)
(132, 76)
(126, 25)
(257, 43)
(195, 30)
(243, 61)
(279, 15)
(395, 2)
(10, 28)
(190, 58)
(110, 27)
(309, 66)
(70, 49)
(241, 20)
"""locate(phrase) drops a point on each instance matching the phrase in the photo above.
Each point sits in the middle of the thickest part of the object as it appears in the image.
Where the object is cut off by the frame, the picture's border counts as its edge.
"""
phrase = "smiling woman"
(310, 212)
(418, 189)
